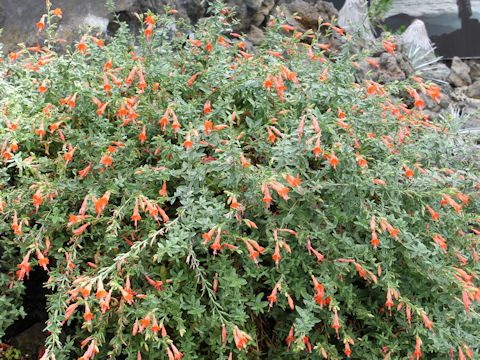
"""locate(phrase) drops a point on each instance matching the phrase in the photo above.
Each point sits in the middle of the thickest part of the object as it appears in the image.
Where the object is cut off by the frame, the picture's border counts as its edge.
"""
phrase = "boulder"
(31, 340)
(388, 69)
(468, 106)
(305, 14)
(421, 52)
(353, 17)
(473, 91)
(76, 15)
(255, 35)
(94, 13)
(416, 37)
(460, 73)
(474, 65)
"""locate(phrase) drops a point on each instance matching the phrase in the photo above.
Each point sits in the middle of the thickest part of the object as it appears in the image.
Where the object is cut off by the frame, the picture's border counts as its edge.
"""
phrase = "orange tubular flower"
(101, 293)
(389, 46)
(317, 150)
(427, 321)
(240, 338)
(207, 107)
(37, 199)
(280, 189)
(177, 355)
(41, 24)
(293, 181)
(175, 123)
(82, 47)
(245, 163)
(85, 171)
(101, 203)
(348, 352)
(233, 202)
(88, 316)
(267, 199)
(336, 325)
(408, 172)
(127, 293)
(142, 137)
(418, 352)
(276, 255)
(374, 240)
(57, 12)
(105, 302)
(253, 254)
(333, 160)
(216, 244)
(290, 338)
(271, 135)
(136, 216)
(42, 260)
(433, 213)
(81, 229)
(273, 296)
(389, 302)
(24, 267)
(268, 83)
(208, 236)
(188, 142)
(73, 219)
(192, 79)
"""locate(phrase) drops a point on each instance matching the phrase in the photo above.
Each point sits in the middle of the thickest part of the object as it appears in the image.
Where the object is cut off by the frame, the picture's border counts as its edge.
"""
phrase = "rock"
(262, 13)
(388, 69)
(30, 341)
(473, 91)
(433, 107)
(416, 37)
(308, 12)
(468, 106)
(459, 75)
(253, 4)
(421, 54)
(439, 71)
(76, 14)
(353, 17)
(474, 65)
(255, 35)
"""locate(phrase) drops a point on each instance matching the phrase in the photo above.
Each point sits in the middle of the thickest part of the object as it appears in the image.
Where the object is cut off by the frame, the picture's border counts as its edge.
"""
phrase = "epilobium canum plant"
(188, 197)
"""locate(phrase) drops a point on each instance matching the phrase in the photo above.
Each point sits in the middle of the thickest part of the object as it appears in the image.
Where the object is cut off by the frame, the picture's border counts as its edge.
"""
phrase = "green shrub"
(187, 192)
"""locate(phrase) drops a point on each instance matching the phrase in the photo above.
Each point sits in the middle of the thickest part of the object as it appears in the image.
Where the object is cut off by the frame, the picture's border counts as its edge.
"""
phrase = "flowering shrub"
(188, 197)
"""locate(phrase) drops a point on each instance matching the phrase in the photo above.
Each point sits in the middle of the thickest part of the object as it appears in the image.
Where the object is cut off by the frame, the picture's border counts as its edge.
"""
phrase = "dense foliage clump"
(187, 196)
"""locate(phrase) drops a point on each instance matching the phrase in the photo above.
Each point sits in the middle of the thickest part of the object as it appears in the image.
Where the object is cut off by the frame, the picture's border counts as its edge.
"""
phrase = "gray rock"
(21, 27)
(404, 63)
(468, 106)
(473, 91)
(460, 73)
(474, 65)
(388, 69)
(353, 17)
(416, 36)
(308, 13)
(30, 341)
(253, 4)
(435, 108)
(439, 72)
(262, 13)
(255, 35)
